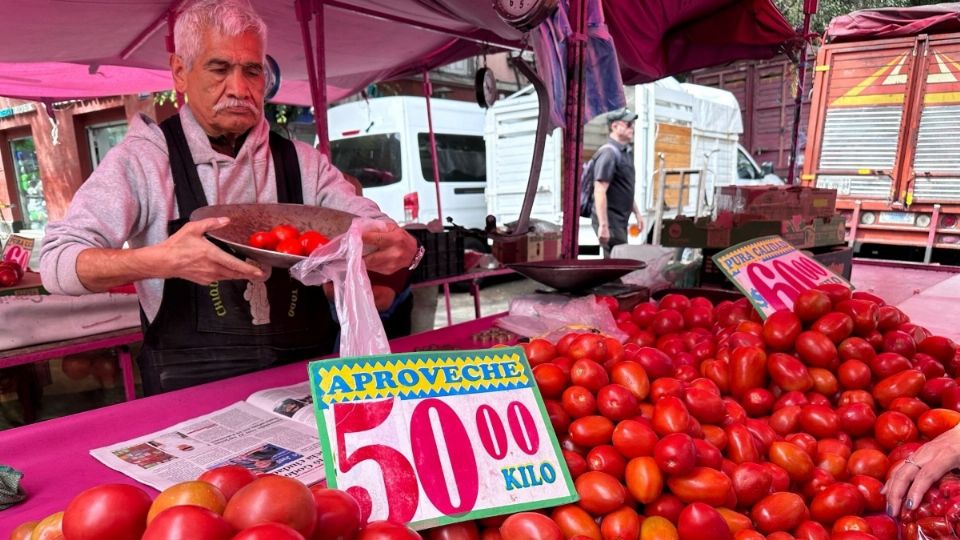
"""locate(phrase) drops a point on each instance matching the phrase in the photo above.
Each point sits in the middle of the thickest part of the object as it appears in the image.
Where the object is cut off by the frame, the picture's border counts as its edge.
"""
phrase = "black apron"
(206, 333)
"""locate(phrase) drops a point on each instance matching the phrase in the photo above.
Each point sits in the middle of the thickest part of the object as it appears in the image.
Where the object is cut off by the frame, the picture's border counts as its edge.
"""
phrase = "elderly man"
(194, 297)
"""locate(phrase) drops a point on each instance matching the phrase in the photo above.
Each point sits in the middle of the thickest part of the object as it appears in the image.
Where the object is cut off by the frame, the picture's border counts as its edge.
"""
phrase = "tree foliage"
(828, 9)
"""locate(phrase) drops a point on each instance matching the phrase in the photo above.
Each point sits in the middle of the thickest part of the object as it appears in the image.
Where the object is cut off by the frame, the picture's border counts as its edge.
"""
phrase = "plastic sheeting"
(894, 22)
(653, 38)
(714, 110)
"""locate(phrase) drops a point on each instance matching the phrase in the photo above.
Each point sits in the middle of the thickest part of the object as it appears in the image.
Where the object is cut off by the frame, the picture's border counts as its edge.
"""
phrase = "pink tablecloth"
(54, 455)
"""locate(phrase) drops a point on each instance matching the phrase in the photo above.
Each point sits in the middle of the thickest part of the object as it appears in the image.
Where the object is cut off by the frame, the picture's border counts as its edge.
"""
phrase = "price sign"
(18, 250)
(771, 273)
(434, 438)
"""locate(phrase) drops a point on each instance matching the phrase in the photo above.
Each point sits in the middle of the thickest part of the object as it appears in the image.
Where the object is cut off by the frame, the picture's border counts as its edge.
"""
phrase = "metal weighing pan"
(577, 274)
(246, 219)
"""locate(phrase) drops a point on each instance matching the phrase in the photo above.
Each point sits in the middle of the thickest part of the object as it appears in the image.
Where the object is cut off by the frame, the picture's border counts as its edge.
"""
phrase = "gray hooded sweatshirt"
(130, 197)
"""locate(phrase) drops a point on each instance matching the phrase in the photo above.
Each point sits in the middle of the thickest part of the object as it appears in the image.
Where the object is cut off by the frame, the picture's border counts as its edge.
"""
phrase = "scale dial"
(485, 86)
(524, 15)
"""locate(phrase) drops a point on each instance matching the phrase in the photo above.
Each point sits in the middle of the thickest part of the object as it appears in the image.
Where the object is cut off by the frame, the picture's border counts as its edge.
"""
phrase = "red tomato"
(228, 479)
(701, 485)
(643, 314)
(599, 492)
(24, 530)
(837, 500)
(704, 405)
(586, 372)
(605, 458)
(676, 453)
(942, 349)
(678, 302)
(591, 431)
(667, 321)
(698, 521)
(338, 514)
(107, 512)
(812, 304)
(869, 488)
(530, 526)
(792, 459)
(758, 402)
(856, 348)
(816, 349)
(290, 247)
(856, 419)
(890, 318)
(563, 345)
(887, 364)
(631, 375)
(781, 511)
(854, 375)
(698, 317)
(883, 527)
(195, 493)
(819, 420)
(666, 386)
(621, 524)
(575, 463)
(285, 232)
(670, 416)
(634, 439)
(936, 421)
(551, 380)
(559, 418)
(781, 329)
(834, 325)
(811, 530)
(656, 363)
(865, 315)
(617, 402)
(658, 528)
(578, 402)
(385, 530)
(893, 429)
(263, 240)
(311, 240)
(181, 522)
(899, 342)
(751, 482)
(907, 383)
(465, 530)
(784, 420)
(837, 292)
(575, 521)
(912, 407)
(741, 444)
(644, 479)
(275, 499)
(789, 373)
(748, 369)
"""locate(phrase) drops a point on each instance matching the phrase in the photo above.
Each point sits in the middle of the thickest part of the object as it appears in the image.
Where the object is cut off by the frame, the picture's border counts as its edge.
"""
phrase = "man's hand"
(603, 232)
(914, 476)
(190, 256)
(395, 249)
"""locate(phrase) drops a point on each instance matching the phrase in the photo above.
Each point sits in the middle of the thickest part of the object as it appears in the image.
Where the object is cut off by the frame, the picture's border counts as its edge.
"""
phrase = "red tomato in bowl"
(290, 247)
(263, 240)
(310, 240)
(285, 232)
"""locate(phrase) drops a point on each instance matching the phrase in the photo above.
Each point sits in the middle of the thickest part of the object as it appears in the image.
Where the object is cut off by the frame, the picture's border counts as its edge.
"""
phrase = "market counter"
(54, 455)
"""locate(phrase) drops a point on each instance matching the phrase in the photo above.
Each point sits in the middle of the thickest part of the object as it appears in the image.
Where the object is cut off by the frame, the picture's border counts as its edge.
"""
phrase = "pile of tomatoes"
(710, 423)
(286, 238)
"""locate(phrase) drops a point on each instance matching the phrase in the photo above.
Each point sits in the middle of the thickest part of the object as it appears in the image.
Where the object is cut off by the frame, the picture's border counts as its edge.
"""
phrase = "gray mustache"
(228, 103)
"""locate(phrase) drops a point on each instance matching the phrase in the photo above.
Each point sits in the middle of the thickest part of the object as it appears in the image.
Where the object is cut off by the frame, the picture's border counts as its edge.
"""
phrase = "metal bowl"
(246, 219)
(577, 274)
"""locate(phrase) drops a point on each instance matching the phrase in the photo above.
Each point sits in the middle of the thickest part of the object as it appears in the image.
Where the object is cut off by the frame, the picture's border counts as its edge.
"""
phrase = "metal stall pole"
(303, 17)
(573, 129)
(809, 9)
(320, 114)
(661, 193)
(427, 91)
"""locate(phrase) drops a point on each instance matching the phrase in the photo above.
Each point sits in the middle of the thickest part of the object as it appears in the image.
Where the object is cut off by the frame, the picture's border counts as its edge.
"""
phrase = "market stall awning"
(657, 39)
(894, 22)
(654, 39)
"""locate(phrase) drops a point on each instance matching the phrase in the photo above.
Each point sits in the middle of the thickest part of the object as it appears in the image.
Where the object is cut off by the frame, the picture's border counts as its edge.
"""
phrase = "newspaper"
(274, 431)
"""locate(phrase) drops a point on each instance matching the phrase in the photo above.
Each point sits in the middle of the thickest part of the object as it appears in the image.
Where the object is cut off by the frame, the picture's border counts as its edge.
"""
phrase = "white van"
(384, 142)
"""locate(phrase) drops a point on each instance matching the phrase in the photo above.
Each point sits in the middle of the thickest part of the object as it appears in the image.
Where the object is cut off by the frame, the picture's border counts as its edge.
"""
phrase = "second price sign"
(435, 438)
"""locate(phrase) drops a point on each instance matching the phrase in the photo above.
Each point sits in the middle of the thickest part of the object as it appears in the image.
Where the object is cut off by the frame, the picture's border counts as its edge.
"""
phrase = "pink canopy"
(363, 43)
(895, 22)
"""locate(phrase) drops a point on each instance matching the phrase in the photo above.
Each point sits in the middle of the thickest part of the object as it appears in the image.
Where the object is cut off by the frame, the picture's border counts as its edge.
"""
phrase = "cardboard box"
(740, 204)
(703, 233)
(531, 247)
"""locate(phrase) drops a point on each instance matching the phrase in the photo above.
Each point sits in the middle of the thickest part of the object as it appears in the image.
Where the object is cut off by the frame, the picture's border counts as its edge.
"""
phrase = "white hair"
(228, 17)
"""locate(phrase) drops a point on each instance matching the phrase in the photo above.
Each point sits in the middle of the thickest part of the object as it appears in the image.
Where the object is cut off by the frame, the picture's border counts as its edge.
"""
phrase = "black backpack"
(586, 184)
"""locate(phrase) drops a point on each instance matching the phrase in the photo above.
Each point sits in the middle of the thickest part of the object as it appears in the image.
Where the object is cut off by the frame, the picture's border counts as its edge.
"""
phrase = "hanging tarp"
(894, 22)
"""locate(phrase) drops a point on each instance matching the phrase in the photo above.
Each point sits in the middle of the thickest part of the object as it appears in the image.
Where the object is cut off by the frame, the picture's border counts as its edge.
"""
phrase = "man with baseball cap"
(614, 182)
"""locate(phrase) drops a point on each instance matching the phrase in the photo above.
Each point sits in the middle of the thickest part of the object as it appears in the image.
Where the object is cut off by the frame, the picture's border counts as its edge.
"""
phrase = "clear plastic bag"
(550, 316)
(341, 262)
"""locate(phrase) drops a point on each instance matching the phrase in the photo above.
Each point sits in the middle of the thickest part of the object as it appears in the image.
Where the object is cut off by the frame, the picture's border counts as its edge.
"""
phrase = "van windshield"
(461, 158)
(373, 159)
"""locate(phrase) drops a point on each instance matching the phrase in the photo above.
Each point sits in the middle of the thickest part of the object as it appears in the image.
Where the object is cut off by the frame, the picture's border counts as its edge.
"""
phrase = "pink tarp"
(654, 39)
(894, 22)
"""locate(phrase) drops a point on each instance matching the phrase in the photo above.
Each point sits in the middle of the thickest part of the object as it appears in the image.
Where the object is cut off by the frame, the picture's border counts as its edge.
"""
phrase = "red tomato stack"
(287, 239)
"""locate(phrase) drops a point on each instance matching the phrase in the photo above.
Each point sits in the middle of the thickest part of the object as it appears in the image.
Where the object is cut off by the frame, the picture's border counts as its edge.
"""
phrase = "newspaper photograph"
(294, 401)
(259, 437)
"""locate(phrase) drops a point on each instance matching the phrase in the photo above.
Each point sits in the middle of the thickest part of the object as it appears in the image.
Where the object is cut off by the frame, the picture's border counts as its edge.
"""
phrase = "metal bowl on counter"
(246, 219)
(577, 275)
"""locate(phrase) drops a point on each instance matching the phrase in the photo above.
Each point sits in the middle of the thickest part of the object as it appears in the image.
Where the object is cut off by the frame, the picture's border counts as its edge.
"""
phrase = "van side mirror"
(766, 168)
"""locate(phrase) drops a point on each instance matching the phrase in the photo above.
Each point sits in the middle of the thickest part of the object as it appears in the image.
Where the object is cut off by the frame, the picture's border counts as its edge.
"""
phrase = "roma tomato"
(811, 530)
(856, 348)
(819, 420)
(782, 511)
(942, 349)
(781, 329)
(605, 458)
(837, 500)
(667, 321)
(658, 528)
(936, 421)
(107, 512)
(644, 479)
(539, 351)
(386, 530)
(228, 479)
(339, 515)
(574, 520)
(789, 373)
(854, 375)
(670, 415)
(181, 522)
(290, 247)
(893, 429)
(285, 232)
(856, 419)
(311, 240)
(792, 459)
(634, 439)
(263, 240)
(816, 349)
(899, 342)
(551, 380)
(812, 304)
(676, 453)
(699, 521)
(578, 402)
(741, 444)
(465, 530)
(600, 493)
(585, 372)
(530, 526)
(655, 363)
(275, 499)
(617, 402)
(836, 326)
(703, 484)
(591, 431)
(784, 420)
(837, 292)
(907, 383)
(23, 530)
(869, 487)
(751, 482)
(704, 405)
(865, 315)
(620, 525)
(575, 463)
(748, 369)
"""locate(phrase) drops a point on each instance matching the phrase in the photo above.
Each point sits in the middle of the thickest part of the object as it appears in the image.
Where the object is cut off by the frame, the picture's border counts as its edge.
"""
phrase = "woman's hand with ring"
(911, 478)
